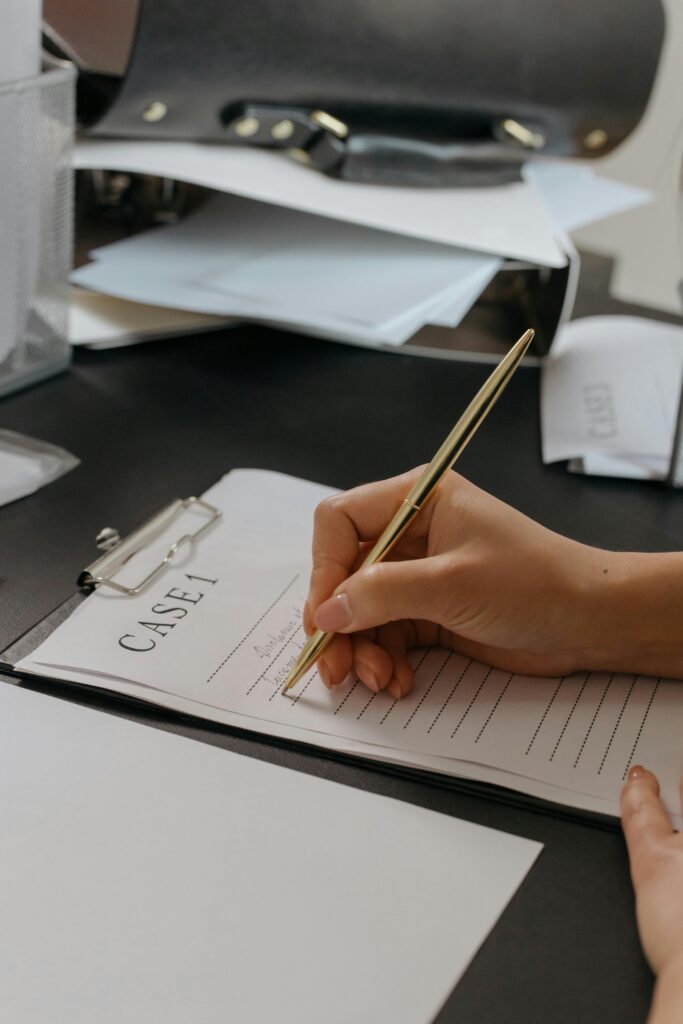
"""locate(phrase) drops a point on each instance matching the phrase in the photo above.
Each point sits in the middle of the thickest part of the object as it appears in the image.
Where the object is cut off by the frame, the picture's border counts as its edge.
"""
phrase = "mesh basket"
(36, 226)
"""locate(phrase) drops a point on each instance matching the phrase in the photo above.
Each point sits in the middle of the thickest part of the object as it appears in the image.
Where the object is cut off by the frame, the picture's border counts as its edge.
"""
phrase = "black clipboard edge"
(28, 642)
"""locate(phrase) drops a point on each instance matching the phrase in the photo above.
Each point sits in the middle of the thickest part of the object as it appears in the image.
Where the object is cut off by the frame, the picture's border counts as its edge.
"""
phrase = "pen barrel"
(392, 533)
(468, 424)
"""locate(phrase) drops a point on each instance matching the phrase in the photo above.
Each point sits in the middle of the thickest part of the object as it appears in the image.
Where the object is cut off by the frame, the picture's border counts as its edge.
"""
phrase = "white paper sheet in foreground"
(217, 634)
(148, 877)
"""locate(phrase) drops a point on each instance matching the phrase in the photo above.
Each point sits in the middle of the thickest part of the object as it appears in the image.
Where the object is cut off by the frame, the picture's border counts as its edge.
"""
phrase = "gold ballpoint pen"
(473, 416)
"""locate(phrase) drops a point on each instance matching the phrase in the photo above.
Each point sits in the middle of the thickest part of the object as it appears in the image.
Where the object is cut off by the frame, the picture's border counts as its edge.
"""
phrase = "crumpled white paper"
(26, 464)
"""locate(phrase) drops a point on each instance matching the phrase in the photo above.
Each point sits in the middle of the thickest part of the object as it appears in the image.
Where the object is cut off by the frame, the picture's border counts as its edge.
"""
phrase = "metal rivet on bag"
(300, 155)
(247, 127)
(521, 134)
(283, 130)
(595, 139)
(156, 111)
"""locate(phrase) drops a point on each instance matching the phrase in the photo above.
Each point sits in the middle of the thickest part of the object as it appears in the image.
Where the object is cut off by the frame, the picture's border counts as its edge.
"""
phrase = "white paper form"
(610, 387)
(508, 220)
(222, 629)
(148, 877)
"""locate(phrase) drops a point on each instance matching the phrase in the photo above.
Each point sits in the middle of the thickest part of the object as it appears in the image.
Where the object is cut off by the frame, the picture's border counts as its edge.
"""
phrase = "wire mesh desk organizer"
(36, 204)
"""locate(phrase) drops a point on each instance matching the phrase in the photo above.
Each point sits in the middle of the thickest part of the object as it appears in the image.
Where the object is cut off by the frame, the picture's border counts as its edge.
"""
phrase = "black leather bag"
(428, 92)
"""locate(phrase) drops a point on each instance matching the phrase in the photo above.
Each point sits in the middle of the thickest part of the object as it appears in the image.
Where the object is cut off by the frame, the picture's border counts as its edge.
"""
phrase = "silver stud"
(156, 111)
(247, 127)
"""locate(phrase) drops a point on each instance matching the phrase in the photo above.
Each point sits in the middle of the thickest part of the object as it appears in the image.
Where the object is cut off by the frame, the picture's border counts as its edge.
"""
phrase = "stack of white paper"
(359, 263)
(240, 258)
(509, 220)
(103, 321)
(610, 394)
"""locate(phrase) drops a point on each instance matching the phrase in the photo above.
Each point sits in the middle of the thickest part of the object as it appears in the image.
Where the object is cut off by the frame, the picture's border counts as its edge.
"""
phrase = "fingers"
(404, 677)
(345, 521)
(337, 661)
(373, 664)
(643, 818)
(388, 592)
(378, 658)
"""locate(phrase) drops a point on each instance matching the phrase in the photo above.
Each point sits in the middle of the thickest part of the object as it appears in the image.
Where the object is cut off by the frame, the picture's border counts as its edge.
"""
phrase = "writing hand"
(471, 574)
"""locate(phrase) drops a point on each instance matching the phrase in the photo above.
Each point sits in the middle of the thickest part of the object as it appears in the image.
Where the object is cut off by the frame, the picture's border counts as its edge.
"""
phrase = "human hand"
(470, 574)
(656, 856)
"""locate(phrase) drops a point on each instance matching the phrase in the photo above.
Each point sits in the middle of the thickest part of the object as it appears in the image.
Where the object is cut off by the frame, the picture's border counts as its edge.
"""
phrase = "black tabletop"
(167, 419)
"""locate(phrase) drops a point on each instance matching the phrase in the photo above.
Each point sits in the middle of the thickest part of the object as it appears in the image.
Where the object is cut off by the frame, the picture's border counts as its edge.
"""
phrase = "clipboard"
(116, 552)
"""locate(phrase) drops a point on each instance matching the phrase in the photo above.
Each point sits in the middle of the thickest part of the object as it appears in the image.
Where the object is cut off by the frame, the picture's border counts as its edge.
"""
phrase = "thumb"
(384, 593)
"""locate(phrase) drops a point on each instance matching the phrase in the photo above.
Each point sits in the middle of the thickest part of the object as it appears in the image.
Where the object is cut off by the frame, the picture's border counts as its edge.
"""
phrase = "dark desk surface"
(167, 419)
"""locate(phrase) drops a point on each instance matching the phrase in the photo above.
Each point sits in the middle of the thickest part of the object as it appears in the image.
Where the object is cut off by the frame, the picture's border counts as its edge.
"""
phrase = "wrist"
(632, 611)
(667, 1004)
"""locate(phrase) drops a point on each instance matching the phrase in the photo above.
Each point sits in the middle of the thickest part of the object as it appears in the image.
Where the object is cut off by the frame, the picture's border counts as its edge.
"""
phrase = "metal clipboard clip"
(117, 551)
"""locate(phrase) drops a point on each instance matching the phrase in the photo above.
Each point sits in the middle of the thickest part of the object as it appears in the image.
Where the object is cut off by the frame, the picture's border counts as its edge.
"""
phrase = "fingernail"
(324, 673)
(394, 690)
(334, 614)
(368, 676)
(636, 772)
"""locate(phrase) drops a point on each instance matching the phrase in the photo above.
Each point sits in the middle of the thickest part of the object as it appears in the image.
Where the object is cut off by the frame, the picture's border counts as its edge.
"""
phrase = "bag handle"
(326, 143)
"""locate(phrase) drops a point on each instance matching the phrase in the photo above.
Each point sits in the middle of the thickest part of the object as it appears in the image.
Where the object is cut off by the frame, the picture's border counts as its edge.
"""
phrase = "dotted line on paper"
(569, 717)
(448, 699)
(543, 717)
(357, 683)
(642, 726)
(493, 709)
(395, 702)
(366, 706)
(428, 690)
(616, 725)
(271, 663)
(255, 626)
(469, 706)
(595, 715)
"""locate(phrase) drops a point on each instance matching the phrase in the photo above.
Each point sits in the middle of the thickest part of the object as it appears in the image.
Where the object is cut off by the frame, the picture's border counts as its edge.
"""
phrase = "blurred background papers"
(364, 264)
(609, 396)
(508, 220)
(102, 321)
(575, 195)
(27, 464)
(239, 258)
